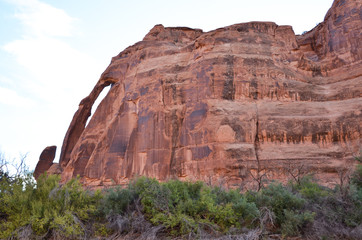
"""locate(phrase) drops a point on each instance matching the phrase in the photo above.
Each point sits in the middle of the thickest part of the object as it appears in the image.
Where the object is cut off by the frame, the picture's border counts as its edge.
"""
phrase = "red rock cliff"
(225, 106)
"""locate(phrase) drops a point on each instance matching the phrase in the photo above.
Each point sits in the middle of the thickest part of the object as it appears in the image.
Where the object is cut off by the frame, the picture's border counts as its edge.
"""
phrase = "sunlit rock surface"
(226, 106)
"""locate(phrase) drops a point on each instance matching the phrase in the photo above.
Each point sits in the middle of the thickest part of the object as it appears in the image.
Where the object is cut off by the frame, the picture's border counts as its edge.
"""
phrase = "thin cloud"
(41, 19)
(53, 63)
(55, 66)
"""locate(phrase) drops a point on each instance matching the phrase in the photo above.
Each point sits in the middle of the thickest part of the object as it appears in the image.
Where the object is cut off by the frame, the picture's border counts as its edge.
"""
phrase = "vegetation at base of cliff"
(43, 207)
(149, 209)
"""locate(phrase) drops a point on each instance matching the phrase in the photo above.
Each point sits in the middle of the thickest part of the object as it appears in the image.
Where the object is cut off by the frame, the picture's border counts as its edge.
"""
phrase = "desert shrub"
(278, 198)
(245, 212)
(353, 214)
(222, 214)
(46, 206)
(287, 208)
(149, 208)
(309, 189)
(14, 196)
(101, 230)
(356, 177)
(116, 201)
(347, 209)
(184, 207)
(62, 208)
(295, 221)
(337, 216)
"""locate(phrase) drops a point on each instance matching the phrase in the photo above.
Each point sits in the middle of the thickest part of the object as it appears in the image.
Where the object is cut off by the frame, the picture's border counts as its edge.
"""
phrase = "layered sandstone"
(226, 106)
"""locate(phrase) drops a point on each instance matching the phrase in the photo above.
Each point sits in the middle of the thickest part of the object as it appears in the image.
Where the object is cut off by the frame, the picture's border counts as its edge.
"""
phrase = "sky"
(52, 53)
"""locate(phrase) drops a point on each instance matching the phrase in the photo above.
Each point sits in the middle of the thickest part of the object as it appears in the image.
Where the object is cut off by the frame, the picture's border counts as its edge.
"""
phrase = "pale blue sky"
(52, 52)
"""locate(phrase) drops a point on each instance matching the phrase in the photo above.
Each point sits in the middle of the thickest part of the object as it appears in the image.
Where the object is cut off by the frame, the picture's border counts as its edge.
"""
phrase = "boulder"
(45, 161)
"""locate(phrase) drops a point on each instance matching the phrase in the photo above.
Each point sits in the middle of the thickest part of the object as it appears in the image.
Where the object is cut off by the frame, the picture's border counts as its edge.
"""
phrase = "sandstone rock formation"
(45, 161)
(226, 106)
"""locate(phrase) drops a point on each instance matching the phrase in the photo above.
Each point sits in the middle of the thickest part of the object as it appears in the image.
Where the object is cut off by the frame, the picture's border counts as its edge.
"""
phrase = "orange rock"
(225, 106)
(45, 161)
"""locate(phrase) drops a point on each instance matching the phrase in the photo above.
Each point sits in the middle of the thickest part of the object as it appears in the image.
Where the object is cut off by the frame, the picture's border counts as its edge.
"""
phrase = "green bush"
(288, 208)
(47, 206)
(15, 193)
(184, 207)
(101, 230)
(294, 222)
(173, 208)
(278, 198)
(116, 201)
(356, 177)
(310, 189)
(347, 210)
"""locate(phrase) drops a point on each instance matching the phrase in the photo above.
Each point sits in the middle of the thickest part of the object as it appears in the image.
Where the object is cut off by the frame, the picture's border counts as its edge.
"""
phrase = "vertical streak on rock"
(162, 93)
(213, 84)
(175, 130)
(176, 124)
(228, 92)
(256, 138)
(130, 155)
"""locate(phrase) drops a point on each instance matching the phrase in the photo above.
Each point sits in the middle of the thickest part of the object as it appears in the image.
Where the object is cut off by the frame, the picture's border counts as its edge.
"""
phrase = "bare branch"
(259, 177)
(15, 167)
(297, 171)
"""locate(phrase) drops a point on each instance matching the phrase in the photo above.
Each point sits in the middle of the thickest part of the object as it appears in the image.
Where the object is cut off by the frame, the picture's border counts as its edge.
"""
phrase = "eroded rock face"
(225, 106)
(45, 161)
